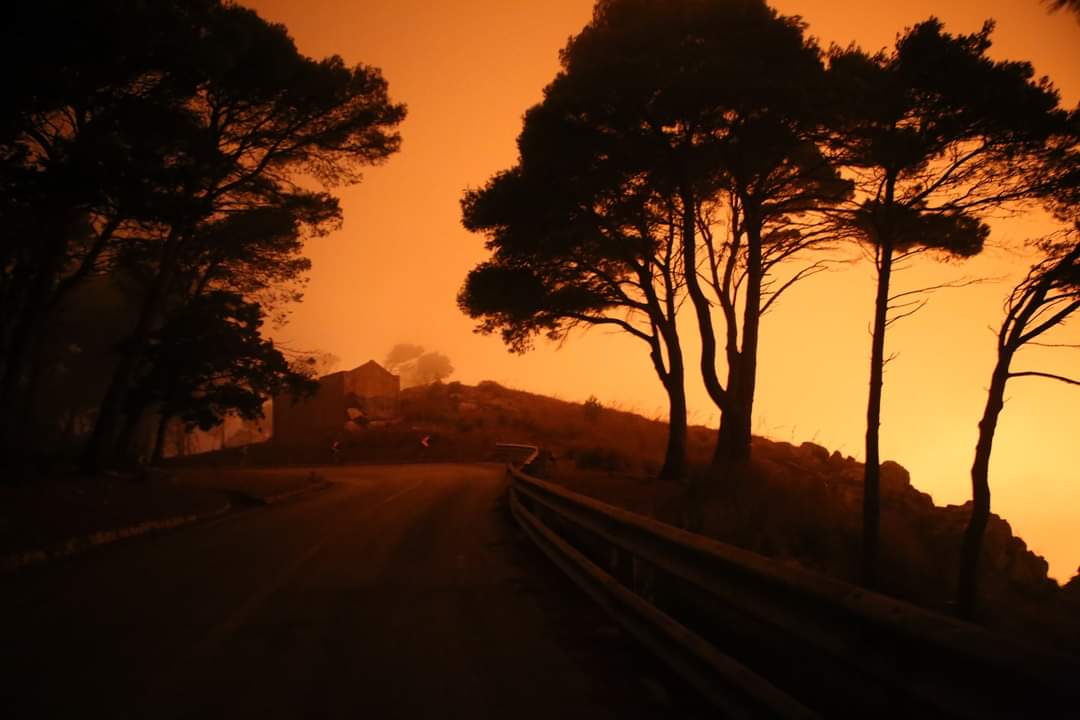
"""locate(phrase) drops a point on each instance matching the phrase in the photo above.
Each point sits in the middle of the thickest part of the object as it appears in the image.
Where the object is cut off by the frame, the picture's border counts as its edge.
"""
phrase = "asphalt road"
(399, 592)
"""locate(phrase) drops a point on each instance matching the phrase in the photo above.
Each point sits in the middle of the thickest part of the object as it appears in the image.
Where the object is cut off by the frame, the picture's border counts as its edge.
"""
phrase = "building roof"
(371, 364)
(368, 367)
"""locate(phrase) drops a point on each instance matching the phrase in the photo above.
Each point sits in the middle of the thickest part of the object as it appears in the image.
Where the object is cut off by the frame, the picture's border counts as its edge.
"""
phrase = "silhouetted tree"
(74, 179)
(1071, 5)
(579, 241)
(312, 365)
(253, 254)
(157, 140)
(1046, 298)
(71, 369)
(210, 360)
(432, 367)
(714, 106)
(935, 133)
(401, 354)
(674, 114)
(592, 409)
(416, 367)
(257, 252)
(254, 113)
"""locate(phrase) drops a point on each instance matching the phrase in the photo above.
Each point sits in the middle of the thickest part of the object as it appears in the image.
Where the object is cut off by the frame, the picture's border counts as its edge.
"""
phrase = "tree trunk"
(736, 423)
(673, 377)
(13, 385)
(23, 342)
(15, 342)
(967, 584)
(124, 450)
(68, 431)
(22, 332)
(732, 444)
(28, 404)
(99, 451)
(702, 310)
(722, 453)
(159, 439)
(101, 445)
(747, 384)
(872, 469)
(675, 456)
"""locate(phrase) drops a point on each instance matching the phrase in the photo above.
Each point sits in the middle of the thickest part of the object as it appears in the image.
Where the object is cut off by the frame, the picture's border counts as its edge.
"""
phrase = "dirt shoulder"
(62, 515)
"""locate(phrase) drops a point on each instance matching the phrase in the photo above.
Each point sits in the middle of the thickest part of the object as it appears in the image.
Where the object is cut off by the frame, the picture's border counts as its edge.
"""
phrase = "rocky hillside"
(804, 505)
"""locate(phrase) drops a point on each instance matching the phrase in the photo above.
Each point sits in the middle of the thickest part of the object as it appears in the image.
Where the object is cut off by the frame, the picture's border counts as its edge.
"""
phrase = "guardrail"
(528, 453)
(761, 639)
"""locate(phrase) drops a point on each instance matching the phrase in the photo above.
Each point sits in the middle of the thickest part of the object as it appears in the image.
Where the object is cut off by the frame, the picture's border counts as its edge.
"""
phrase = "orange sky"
(468, 69)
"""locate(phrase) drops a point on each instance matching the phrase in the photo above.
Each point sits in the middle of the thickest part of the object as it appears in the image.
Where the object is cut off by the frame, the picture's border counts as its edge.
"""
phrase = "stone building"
(345, 401)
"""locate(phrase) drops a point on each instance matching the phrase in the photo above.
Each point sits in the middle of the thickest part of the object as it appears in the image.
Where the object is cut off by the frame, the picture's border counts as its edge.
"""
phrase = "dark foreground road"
(400, 592)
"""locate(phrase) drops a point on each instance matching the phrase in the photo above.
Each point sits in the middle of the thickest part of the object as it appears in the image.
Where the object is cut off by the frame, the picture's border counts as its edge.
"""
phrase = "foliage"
(160, 141)
(417, 367)
(671, 125)
(432, 367)
(400, 354)
(936, 133)
(209, 359)
(591, 409)
(594, 458)
(76, 356)
(1071, 5)
(1044, 301)
(312, 365)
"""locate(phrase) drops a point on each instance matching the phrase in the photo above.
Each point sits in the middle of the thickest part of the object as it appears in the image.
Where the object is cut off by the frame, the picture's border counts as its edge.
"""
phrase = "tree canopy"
(176, 145)
(936, 133)
(417, 367)
(673, 131)
(1070, 5)
(210, 360)
(578, 239)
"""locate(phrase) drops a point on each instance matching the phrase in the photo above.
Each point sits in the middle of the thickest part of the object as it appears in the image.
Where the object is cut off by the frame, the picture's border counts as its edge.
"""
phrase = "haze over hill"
(469, 70)
(252, 245)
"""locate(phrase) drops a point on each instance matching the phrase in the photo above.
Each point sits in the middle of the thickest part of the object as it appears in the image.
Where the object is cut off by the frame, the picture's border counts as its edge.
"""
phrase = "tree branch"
(604, 320)
(1056, 319)
(941, 286)
(1050, 376)
(917, 307)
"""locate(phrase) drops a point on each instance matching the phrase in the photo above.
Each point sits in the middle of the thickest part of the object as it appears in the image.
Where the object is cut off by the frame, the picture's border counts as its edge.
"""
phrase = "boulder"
(894, 477)
(816, 452)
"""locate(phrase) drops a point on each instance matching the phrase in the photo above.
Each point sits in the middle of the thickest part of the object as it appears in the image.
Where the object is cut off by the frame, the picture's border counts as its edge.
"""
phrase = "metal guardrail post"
(850, 633)
(734, 689)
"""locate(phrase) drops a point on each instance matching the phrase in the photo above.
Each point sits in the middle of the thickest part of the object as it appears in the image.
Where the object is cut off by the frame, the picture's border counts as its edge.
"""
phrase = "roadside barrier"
(765, 639)
(518, 455)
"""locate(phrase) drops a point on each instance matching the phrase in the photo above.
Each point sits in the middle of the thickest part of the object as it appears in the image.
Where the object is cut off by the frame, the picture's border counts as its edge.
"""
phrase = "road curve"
(399, 592)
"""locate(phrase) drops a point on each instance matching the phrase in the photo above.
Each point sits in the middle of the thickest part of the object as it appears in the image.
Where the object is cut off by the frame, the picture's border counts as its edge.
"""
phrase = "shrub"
(591, 409)
(596, 458)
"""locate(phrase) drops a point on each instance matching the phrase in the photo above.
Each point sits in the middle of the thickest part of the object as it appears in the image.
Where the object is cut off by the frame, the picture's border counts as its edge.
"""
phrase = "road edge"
(77, 545)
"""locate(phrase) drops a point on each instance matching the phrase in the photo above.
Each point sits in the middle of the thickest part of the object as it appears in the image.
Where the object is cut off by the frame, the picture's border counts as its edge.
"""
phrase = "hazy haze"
(468, 70)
